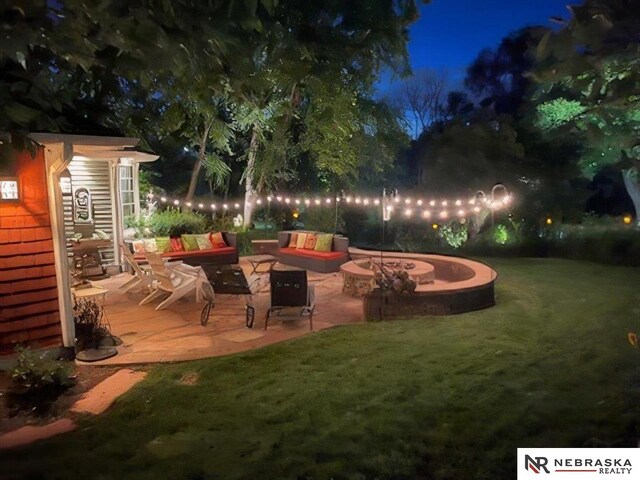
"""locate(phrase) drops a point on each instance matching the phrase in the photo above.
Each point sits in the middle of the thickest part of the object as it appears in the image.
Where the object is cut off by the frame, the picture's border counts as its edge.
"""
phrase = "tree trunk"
(197, 167)
(632, 184)
(250, 191)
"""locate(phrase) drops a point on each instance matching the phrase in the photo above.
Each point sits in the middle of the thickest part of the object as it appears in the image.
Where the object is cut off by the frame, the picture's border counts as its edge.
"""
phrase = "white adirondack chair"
(141, 277)
(178, 281)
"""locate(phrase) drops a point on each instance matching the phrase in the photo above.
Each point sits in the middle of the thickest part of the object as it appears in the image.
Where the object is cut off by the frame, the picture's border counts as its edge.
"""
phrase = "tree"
(588, 76)
(420, 100)
(499, 76)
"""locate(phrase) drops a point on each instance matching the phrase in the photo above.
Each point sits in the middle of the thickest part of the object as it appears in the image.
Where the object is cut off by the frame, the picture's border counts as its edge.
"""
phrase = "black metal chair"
(289, 289)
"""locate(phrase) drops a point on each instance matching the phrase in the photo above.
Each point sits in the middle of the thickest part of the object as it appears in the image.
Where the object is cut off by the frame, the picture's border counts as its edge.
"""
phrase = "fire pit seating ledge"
(322, 253)
(192, 249)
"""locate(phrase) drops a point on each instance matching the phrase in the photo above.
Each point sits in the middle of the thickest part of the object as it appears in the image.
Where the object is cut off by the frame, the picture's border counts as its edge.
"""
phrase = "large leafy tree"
(589, 87)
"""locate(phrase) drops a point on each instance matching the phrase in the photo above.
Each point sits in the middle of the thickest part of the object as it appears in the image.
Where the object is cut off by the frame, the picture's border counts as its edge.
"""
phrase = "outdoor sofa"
(221, 255)
(310, 258)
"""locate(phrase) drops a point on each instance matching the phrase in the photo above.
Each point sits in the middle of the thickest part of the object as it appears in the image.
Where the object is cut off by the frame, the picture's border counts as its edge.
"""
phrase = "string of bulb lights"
(409, 207)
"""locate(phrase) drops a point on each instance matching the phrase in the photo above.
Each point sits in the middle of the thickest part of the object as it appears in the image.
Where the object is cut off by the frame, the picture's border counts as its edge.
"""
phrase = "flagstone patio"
(175, 334)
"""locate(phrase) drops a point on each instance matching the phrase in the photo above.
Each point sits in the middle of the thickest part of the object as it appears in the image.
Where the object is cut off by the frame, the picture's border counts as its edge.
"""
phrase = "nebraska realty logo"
(582, 463)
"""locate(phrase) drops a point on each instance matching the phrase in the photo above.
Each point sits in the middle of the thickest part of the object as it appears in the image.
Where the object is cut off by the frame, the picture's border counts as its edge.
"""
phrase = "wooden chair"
(142, 277)
(177, 281)
(290, 290)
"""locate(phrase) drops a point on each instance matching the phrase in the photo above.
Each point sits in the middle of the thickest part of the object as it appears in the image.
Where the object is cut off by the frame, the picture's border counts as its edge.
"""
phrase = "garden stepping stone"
(30, 433)
(102, 396)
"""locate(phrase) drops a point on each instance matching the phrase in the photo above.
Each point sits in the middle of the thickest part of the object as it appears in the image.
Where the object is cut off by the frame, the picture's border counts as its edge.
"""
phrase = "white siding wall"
(93, 175)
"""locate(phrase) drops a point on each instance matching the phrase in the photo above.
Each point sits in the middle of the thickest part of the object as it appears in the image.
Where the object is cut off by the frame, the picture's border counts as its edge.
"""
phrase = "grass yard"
(430, 398)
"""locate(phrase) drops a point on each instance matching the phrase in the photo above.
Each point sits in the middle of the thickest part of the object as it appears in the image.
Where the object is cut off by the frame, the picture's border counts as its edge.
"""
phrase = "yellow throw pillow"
(302, 237)
(293, 240)
(324, 242)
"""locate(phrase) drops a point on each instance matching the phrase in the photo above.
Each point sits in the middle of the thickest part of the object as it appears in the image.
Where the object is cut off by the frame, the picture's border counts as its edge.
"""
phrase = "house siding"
(28, 294)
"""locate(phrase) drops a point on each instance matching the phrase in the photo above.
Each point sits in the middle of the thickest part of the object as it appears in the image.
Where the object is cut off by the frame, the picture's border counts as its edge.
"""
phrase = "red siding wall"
(28, 294)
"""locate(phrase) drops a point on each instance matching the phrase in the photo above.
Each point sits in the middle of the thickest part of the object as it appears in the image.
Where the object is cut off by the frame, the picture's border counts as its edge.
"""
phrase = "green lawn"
(436, 398)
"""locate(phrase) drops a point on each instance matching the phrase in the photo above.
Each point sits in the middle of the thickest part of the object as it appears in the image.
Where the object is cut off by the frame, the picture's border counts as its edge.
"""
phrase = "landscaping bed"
(15, 413)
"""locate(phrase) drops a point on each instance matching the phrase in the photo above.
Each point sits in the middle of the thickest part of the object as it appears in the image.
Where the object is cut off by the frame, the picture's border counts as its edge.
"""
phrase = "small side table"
(258, 260)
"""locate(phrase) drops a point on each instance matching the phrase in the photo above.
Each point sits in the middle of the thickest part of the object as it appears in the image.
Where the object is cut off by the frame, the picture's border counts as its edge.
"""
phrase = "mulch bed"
(13, 417)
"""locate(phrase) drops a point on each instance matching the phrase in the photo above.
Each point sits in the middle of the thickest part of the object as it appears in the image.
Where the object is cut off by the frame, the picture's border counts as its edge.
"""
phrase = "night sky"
(450, 33)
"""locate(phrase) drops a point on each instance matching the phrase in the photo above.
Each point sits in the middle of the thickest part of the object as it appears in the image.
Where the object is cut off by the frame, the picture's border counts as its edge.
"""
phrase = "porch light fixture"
(9, 189)
(627, 219)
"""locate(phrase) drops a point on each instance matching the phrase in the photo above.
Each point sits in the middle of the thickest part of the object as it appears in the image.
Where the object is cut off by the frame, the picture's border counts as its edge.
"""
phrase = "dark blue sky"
(450, 33)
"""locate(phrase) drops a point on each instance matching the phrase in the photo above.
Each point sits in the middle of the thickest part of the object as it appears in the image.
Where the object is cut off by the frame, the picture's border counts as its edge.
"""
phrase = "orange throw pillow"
(293, 240)
(176, 244)
(217, 240)
(310, 242)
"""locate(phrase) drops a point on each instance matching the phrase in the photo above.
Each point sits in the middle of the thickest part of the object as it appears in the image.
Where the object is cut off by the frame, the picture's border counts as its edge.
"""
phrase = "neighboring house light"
(9, 189)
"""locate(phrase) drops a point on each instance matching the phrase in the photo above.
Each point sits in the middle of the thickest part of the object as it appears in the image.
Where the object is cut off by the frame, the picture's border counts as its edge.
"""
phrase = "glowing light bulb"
(237, 205)
(176, 202)
(225, 206)
(279, 198)
(297, 202)
(188, 204)
(397, 199)
(317, 201)
(259, 202)
(444, 214)
(163, 199)
(407, 201)
(434, 226)
(461, 213)
(366, 201)
(549, 221)
(213, 206)
(307, 201)
(472, 201)
(328, 200)
(426, 214)
(287, 201)
(627, 219)
(269, 198)
(358, 200)
(432, 203)
(408, 212)
(376, 202)
(200, 205)
(419, 202)
(458, 203)
(348, 199)
(476, 209)
(444, 203)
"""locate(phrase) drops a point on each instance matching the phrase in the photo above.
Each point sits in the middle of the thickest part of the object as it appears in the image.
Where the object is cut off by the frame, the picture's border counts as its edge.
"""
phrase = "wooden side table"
(258, 260)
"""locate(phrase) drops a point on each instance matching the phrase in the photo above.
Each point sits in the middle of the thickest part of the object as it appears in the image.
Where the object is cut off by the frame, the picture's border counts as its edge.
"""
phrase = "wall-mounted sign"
(9, 188)
(82, 207)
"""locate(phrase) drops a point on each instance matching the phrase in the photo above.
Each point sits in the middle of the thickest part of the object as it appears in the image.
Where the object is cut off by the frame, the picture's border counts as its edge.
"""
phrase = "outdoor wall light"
(627, 219)
(549, 221)
(9, 189)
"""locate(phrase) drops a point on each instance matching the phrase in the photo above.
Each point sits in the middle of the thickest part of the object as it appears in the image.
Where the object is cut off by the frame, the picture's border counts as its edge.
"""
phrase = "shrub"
(37, 372)
(455, 233)
(174, 222)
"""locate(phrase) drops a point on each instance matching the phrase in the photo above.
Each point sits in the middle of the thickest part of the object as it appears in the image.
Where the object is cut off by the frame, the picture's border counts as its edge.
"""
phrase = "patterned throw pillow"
(150, 245)
(176, 244)
(189, 243)
(163, 244)
(324, 242)
(217, 240)
(138, 246)
(203, 241)
(302, 237)
(310, 242)
(293, 240)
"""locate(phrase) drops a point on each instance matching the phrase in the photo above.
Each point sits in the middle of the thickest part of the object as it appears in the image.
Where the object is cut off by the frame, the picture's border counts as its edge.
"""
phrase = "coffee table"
(227, 280)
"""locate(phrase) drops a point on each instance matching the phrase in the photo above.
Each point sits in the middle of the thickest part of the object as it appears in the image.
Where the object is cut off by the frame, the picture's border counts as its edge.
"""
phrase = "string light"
(176, 202)
(444, 203)
(200, 205)
(163, 199)
(213, 206)
(365, 201)
(420, 202)
(297, 202)
(407, 201)
(268, 198)
(444, 214)
(461, 213)
(408, 212)
(458, 203)
(317, 201)
(287, 201)
(432, 203)
(307, 201)
(376, 202)
(188, 204)
(426, 214)
(259, 202)
(328, 200)
(358, 200)
(225, 206)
